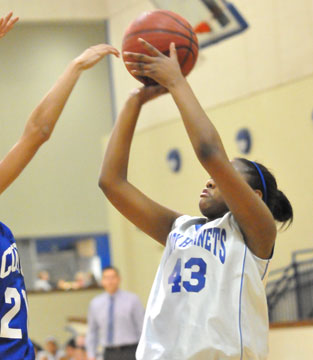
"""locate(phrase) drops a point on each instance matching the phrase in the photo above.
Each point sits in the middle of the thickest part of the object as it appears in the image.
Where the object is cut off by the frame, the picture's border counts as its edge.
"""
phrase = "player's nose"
(210, 184)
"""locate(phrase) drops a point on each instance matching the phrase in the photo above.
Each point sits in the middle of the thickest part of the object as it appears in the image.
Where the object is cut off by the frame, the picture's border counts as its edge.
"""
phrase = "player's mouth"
(205, 193)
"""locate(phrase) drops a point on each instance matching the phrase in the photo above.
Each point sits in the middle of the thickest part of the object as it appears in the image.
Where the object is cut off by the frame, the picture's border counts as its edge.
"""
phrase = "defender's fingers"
(111, 50)
(104, 49)
(160, 89)
(152, 50)
(13, 21)
(137, 57)
(7, 18)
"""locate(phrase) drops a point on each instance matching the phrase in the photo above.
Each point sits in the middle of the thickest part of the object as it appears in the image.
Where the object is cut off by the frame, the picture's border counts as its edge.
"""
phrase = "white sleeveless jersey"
(208, 299)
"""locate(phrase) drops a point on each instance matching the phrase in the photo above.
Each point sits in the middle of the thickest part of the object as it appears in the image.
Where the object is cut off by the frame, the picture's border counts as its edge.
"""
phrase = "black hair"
(276, 201)
(71, 343)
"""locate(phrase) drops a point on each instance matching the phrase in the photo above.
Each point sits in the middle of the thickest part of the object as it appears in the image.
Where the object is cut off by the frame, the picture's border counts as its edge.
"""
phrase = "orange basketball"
(160, 28)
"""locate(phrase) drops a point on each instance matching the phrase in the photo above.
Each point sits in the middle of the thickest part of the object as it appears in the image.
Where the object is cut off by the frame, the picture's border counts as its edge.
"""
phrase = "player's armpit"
(149, 216)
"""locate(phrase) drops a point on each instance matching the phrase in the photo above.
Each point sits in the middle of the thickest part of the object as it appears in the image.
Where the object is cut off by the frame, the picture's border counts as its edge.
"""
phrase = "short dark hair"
(71, 343)
(111, 268)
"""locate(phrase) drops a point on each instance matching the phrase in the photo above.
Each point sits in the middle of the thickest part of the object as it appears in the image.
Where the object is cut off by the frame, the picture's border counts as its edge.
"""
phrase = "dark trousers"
(126, 352)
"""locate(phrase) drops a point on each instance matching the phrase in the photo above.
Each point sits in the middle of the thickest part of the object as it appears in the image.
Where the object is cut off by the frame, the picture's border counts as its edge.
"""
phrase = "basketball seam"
(181, 47)
(178, 21)
(161, 31)
(190, 46)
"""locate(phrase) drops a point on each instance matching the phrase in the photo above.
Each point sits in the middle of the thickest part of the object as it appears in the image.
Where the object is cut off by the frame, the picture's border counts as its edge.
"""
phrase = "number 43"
(198, 275)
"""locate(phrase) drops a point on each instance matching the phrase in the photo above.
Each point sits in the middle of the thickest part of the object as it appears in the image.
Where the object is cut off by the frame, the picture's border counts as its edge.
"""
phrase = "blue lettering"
(216, 235)
(186, 242)
(174, 238)
(201, 238)
(223, 248)
(207, 240)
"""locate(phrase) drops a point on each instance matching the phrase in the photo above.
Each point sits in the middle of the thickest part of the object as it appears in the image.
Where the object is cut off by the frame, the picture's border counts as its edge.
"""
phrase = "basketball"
(160, 28)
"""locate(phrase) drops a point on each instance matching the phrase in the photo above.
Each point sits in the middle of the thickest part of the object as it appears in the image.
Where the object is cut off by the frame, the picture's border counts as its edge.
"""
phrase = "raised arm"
(253, 216)
(43, 119)
(152, 218)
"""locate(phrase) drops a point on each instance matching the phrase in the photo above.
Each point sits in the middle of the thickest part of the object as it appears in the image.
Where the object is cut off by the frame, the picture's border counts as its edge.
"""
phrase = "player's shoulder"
(193, 224)
(6, 237)
(5, 230)
(185, 221)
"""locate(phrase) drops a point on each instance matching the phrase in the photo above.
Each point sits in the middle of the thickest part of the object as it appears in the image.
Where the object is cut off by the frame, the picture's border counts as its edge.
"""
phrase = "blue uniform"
(14, 341)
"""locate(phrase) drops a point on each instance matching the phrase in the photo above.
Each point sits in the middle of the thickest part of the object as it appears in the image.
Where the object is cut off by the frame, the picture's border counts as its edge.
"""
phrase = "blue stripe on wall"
(103, 250)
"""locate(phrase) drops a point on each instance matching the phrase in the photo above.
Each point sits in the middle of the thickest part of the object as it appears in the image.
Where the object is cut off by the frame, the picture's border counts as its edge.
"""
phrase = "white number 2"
(5, 330)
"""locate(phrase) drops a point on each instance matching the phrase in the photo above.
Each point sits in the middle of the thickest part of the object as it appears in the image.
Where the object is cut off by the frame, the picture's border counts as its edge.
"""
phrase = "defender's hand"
(6, 24)
(94, 54)
(159, 67)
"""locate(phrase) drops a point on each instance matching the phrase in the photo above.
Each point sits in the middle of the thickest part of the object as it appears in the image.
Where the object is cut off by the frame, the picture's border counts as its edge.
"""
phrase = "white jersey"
(208, 299)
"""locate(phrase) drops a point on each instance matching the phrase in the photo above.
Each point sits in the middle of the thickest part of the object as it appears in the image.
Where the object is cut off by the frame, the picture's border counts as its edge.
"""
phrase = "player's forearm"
(115, 163)
(202, 133)
(43, 119)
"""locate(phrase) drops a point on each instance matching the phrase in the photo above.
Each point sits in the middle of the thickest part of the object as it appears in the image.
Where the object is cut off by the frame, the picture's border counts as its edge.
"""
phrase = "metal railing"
(290, 290)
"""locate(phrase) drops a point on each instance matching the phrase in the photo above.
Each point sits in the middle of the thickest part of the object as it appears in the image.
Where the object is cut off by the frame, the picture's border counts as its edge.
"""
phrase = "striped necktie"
(110, 333)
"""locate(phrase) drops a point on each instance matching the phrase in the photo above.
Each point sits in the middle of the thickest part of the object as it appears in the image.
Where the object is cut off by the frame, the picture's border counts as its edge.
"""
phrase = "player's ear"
(259, 193)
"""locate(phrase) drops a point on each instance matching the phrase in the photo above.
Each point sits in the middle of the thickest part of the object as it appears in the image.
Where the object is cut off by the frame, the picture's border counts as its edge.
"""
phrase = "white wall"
(58, 192)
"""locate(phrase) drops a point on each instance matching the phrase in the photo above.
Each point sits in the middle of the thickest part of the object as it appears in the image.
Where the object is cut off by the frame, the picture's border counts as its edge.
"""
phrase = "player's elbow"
(207, 151)
(111, 186)
(105, 183)
(37, 134)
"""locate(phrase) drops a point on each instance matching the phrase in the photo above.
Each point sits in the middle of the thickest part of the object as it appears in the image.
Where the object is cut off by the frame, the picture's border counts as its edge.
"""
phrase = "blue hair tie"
(263, 181)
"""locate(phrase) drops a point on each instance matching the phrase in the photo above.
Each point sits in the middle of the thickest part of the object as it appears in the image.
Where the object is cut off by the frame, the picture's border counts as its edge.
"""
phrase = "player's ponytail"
(259, 177)
(282, 210)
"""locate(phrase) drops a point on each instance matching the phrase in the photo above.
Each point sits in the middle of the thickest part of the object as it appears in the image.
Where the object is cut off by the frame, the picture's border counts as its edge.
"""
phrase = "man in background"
(42, 282)
(115, 320)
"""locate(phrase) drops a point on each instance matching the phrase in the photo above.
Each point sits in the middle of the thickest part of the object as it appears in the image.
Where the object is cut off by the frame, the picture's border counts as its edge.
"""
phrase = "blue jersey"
(14, 341)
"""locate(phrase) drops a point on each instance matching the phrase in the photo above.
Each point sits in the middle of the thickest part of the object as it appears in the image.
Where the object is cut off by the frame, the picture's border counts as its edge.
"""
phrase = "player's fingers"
(137, 65)
(141, 72)
(150, 48)
(173, 52)
(137, 57)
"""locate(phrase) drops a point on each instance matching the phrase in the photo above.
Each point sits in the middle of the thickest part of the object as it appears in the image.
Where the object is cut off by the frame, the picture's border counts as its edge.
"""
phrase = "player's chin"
(205, 205)
(212, 209)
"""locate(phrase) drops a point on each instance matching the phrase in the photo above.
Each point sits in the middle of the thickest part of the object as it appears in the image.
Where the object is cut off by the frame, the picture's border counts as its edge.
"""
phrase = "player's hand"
(94, 54)
(159, 67)
(147, 93)
(6, 24)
